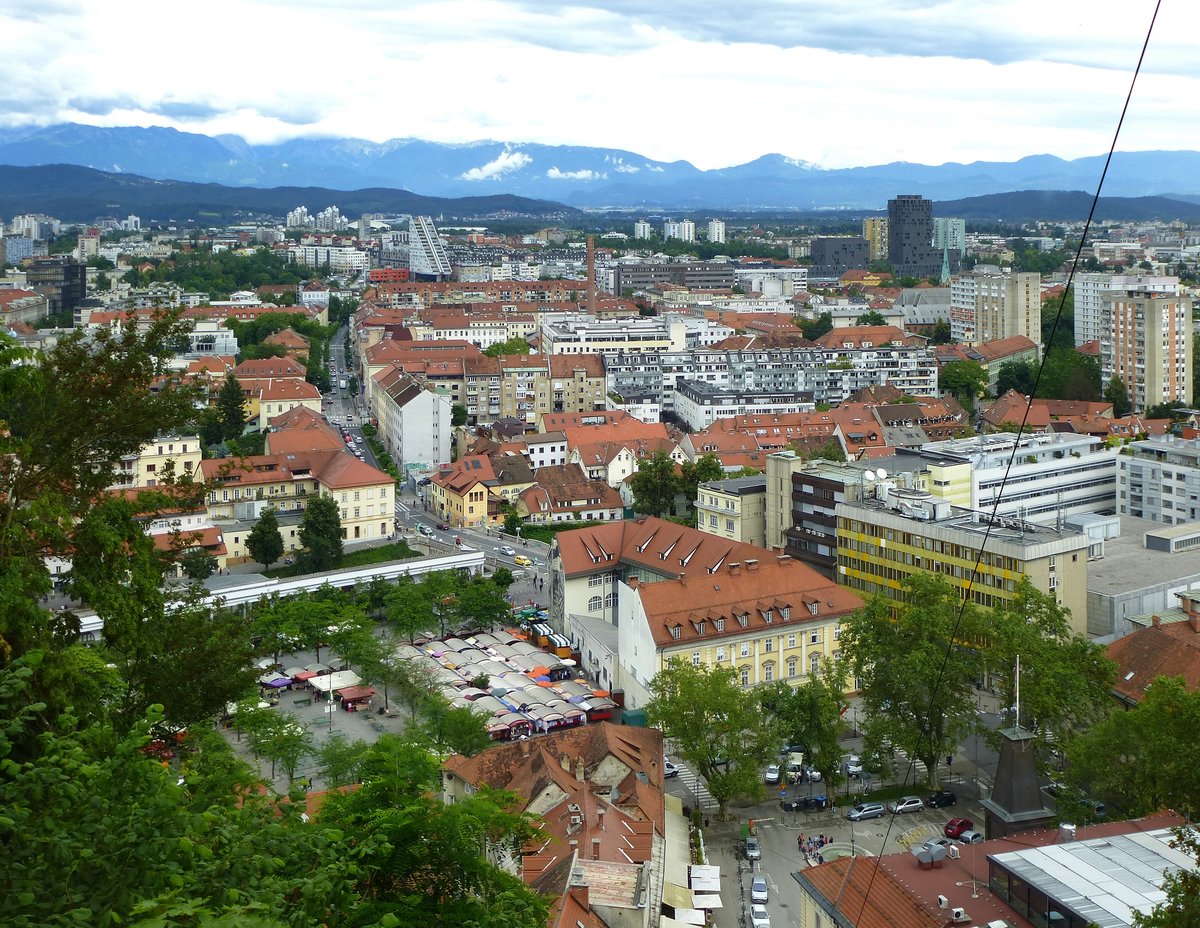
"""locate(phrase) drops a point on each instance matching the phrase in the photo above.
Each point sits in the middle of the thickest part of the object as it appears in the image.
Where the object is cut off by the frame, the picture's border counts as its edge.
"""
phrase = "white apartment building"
(716, 231)
(700, 404)
(1160, 480)
(587, 335)
(341, 259)
(683, 229)
(988, 304)
(1146, 341)
(414, 423)
(642, 229)
(1052, 476)
(1089, 290)
(783, 282)
(949, 233)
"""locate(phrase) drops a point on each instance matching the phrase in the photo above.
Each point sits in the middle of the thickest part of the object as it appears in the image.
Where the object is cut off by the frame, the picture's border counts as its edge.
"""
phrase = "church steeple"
(945, 265)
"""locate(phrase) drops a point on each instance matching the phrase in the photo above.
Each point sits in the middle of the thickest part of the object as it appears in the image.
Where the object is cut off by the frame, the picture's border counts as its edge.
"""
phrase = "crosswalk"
(695, 786)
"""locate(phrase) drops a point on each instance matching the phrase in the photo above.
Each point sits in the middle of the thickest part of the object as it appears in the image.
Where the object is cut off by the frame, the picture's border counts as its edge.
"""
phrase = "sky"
(860, 82)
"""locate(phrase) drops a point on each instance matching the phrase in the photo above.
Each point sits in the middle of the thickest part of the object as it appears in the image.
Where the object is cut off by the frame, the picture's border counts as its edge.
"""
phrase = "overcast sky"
(838, 84)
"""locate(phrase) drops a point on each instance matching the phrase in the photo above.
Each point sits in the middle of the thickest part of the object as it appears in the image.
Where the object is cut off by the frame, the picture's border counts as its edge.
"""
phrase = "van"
(522, 561)
(795, 766)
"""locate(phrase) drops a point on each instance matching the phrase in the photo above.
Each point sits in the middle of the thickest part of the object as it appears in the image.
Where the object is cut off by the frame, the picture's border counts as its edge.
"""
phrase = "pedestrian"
(800, 842)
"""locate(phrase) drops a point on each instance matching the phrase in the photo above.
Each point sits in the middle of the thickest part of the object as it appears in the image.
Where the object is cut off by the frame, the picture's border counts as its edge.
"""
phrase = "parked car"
(956, 826)
(771, 777)
(970, 837)
(753, 850)
(906, 804)
(759, 917)
(941, 799)
(506, 550)
(938, 842)
(670, 769)
(853, 765)
(813, 774)
(758, 889)
(866, 810)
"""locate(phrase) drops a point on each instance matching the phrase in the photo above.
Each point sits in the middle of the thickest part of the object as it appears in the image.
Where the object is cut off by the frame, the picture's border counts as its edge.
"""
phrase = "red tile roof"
(1169, 649)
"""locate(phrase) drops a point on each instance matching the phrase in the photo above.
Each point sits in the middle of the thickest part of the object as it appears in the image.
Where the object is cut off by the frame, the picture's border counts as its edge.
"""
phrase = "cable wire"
(1024, 419)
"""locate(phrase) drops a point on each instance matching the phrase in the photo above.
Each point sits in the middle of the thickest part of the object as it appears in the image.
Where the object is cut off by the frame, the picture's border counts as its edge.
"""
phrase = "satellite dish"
(882, 474)
(869, 475)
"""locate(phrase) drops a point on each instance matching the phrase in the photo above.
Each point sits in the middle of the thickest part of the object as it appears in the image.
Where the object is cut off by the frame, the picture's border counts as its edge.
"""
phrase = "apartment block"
(875, 231)
(695, 275)
(175, 455)
(1146, 342)
(883, 541)
(988, 304)
(1089, 290)
(587, 335)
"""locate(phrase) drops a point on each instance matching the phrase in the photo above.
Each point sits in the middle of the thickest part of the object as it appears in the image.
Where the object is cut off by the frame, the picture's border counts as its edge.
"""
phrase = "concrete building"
(771, 620)
(734, 509)
(882, 541)
(1139, 568)
(414, 424)
(1090, 288)
(988, 304)
(695, 275)
(910, 237)
(587, 335)
(1146, 342)
(833, 255)
(426, 253)
(716, 231)
(1159, 479)
(682, 229)
(700, 404)
(1051, 475)
(642, 229)
(949, 234)
(169, 456)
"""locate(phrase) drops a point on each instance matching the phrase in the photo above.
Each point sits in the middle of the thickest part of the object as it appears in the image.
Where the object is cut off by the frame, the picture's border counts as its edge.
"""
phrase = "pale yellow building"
(735, 508)
(175, 456)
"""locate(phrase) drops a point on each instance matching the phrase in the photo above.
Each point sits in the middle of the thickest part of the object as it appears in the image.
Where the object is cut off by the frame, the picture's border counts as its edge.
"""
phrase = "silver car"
(866, 810)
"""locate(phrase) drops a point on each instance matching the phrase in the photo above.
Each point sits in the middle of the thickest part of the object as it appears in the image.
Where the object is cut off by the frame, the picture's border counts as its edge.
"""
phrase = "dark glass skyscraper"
(910, 237)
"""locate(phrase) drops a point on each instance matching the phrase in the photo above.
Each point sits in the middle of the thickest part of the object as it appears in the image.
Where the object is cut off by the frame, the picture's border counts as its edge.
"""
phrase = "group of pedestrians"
(811, 845)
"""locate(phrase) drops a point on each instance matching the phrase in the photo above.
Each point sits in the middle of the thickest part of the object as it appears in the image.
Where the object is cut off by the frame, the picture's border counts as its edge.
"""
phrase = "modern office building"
(1160, 480)
(695, 275)
(426, 254)
(884, 540)
(910, 237)
(833, 255)
(1146, 342)
(61, 280)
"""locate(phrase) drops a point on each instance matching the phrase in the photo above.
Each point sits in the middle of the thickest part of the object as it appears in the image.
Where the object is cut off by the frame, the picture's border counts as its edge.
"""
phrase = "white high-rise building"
(988, 304)
(716, 231)
(426, 253)
(1089, 292)
(683, 229)
(299, 218)
(642, 229)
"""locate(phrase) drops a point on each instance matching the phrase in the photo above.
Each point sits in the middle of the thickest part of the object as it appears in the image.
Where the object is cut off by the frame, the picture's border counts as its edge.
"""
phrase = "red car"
(443, 527)
(956, 826)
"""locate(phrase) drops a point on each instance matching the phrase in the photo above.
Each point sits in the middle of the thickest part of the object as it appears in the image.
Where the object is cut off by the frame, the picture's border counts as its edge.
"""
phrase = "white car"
(753, 849)
(670, 769)
(758, 890)
(759, 917)
(854, 767)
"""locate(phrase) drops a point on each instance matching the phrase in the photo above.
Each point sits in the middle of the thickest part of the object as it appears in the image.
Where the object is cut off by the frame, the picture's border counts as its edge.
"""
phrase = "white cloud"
(585, 174)
(504, 163)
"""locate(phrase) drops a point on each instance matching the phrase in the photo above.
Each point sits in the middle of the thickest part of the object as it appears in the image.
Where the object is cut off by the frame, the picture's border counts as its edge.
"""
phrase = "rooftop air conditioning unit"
(958, 915)
(954, 852)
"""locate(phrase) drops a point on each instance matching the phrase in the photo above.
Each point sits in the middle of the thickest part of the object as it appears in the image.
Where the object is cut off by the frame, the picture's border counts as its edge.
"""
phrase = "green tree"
(1016, 375)
(871, 317)
(941, 334)
(1144, 759)
(1058, 328)
(719, 728)
(409, 611)
(1116, 394)
(265, 543)
(966, 380)
(917, 681)
(655, 485)
(321, 534)
(1066, 680)
(1069, 375)
(453, 730)
(282, 740)
(812, 329)
(503, 578)
(210, 427)
(704, 469)
(231, 405)
(514, 345)
(198, 564)
(339, 760)
(458, 415)
(1171, 410)
(481, 605)
(810, 713)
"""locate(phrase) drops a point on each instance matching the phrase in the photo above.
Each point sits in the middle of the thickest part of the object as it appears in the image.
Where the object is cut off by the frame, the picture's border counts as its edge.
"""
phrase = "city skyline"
(918, 82)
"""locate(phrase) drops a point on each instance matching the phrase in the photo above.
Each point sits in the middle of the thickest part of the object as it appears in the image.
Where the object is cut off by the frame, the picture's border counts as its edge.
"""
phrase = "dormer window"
(720, 623)
(767, 616)
(812, 608)
(675, 631)
(700, 626)
(744, 619)
(785, 613)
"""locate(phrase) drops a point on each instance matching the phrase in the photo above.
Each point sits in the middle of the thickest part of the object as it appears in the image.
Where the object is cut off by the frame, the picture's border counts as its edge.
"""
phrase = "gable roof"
(1161, 649)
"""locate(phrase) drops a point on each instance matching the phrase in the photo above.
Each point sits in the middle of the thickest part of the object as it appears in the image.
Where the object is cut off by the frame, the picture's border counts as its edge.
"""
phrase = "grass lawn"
(396, 551)
(546, 533)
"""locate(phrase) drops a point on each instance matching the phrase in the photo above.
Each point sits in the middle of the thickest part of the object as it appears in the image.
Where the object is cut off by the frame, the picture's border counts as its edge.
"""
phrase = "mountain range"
(578, 176)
